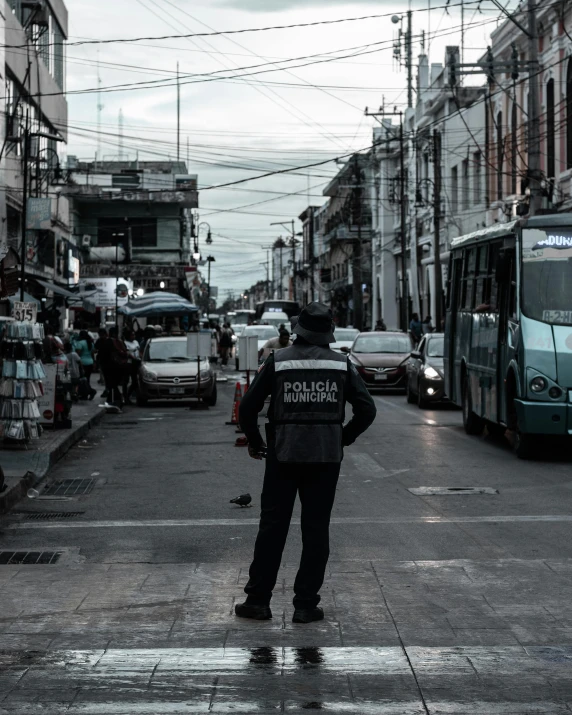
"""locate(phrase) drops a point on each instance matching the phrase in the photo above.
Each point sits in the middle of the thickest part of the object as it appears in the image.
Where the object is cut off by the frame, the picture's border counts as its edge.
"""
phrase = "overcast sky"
(240, 128)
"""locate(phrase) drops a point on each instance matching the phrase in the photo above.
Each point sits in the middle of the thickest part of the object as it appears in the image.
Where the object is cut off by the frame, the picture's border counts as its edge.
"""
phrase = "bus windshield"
(547, 275)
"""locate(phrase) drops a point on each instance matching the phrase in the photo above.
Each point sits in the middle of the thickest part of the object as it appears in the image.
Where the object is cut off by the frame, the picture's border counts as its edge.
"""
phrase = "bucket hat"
(315, 324)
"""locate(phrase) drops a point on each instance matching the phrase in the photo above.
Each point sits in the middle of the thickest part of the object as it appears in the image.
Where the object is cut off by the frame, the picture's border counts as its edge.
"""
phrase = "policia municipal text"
(309, 386)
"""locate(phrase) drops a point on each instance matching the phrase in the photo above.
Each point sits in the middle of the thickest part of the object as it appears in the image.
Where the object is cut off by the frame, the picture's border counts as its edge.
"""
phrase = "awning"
(27, 298)
(74, 299)
(57, 289)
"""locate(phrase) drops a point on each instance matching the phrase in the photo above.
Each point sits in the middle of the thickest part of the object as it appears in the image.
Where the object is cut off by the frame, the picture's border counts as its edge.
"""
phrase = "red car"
(381, 358)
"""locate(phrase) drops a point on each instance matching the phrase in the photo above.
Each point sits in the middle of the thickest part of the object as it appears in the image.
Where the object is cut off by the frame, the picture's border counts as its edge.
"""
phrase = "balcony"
(343, 232)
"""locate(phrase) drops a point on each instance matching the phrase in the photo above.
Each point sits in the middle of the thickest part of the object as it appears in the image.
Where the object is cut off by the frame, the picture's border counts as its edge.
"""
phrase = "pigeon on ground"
(242, 500)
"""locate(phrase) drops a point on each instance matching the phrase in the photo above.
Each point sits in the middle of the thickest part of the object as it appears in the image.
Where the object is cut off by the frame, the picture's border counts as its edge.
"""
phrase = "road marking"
(343, 520)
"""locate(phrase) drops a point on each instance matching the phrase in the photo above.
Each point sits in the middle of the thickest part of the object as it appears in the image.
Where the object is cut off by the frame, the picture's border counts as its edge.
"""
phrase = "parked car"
(381, 358)
(425, 376)
(168, 373)
(262, 332)
(344, 338)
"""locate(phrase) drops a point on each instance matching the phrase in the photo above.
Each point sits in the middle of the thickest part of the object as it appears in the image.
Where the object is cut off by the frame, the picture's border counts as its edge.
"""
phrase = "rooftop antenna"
(120, 133)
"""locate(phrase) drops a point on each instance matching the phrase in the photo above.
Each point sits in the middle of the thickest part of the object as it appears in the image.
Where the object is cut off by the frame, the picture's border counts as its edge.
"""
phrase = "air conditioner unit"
(86, 241)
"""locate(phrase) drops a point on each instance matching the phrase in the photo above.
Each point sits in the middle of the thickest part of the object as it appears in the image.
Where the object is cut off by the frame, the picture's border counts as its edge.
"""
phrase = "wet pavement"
(434, 604)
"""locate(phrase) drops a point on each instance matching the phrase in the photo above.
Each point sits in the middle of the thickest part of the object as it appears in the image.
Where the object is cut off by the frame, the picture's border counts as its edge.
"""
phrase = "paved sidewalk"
(477, 637)
(40, 456)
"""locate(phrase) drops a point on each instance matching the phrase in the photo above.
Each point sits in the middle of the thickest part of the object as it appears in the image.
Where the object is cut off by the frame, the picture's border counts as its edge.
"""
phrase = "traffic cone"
(235, 404)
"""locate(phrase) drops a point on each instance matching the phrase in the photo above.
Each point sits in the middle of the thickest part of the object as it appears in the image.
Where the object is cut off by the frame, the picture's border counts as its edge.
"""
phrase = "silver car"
(168, 373)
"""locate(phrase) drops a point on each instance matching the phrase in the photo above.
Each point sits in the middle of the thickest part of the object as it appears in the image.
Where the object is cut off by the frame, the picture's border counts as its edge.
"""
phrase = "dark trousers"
(316, 485)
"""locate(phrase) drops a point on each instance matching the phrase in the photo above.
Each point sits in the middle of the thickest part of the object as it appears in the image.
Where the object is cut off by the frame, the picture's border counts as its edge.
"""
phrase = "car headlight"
(431, 373)
(148, 376)
(538, 384)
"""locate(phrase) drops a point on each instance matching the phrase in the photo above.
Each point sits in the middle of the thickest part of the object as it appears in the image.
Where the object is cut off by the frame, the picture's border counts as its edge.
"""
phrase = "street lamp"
(209, 240)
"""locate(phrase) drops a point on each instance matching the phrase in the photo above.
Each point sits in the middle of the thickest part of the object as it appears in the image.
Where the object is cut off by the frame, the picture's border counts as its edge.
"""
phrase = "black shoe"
(307, 615)
(258, 613)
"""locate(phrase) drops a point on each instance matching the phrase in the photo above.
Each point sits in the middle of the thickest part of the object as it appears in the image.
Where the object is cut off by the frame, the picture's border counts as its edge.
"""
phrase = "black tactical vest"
(308, 400)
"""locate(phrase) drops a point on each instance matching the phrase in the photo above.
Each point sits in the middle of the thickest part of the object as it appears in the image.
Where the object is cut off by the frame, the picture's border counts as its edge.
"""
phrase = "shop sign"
(25, 312)
(39, 214)
(47, 402)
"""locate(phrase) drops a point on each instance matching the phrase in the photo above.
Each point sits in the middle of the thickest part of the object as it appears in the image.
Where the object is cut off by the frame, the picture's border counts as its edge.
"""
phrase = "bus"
(290, 307)
(508, 329)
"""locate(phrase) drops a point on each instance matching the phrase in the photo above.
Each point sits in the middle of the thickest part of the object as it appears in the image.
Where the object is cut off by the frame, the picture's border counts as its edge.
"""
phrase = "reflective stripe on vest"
(311, 365)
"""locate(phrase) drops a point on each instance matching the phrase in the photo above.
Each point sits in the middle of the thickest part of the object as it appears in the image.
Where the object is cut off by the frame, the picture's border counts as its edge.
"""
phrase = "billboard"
(106, 291)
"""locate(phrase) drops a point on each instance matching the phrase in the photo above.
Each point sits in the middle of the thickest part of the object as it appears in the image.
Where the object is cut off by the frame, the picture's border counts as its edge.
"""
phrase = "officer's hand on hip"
(257, 453)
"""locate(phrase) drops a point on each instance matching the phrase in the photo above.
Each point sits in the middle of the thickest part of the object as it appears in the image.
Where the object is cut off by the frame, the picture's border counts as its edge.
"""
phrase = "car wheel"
(472, 423)
(212, 398)
(409, 393)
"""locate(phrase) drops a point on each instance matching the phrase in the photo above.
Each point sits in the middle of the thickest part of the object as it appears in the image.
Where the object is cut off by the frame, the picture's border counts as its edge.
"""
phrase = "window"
(454, 188)
(465, 185)
(468, 281)
(550, 131)
(569, 115)
(513, 149)
(482, 275)
(500, 156)
(477, 177)
(112, 231)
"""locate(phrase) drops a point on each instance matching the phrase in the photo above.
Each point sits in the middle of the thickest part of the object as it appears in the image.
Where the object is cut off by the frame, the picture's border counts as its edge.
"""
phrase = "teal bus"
(508, 329)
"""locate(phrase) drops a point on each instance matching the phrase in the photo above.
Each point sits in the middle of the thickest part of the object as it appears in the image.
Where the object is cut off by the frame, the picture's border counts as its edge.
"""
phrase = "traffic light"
(490, 65)
(514, 60)
(452, 65)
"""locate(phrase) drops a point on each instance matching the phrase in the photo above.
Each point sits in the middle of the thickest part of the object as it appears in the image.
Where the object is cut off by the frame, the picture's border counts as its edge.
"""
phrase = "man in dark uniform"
(309, 386)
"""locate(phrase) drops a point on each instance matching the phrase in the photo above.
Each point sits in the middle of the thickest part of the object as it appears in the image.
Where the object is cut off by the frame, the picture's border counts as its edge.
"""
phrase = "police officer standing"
(309, 385)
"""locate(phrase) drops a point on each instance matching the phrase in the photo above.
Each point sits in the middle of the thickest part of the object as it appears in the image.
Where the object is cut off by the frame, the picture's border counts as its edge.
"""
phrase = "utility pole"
(311, 251)
(437, 233)
(533, 114)
(403, 222)
(178, 116)
(24, 219)
(294, 242)
(356, 255)
(409, 57)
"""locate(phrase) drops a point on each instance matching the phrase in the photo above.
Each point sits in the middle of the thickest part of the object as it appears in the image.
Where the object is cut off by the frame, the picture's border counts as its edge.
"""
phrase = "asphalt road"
(434, 604)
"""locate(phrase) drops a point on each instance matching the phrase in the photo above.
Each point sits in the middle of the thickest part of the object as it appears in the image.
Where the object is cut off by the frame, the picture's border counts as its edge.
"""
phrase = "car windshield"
(167, 351)
(436, 347)
(345, 334)
(263, 332)
(547, 275)
(382, 344)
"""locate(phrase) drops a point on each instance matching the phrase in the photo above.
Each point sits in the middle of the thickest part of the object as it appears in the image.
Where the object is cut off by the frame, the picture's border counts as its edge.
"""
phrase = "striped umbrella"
(158, 303)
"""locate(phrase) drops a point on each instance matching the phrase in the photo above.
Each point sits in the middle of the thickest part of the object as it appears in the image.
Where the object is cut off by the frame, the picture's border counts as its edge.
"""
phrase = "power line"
(236, 32)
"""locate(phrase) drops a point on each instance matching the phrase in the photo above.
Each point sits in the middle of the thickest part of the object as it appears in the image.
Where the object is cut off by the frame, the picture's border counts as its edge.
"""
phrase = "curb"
(31, 479)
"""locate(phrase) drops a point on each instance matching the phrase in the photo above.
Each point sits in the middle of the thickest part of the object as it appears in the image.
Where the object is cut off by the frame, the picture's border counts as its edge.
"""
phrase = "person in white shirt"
(282, 341)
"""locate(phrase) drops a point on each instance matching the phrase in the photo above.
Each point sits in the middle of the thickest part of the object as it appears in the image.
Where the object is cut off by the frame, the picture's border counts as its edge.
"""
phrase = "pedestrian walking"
(134, 361)
(415, 330)
(309, 385)
(428, 325)
(98, 345)
(75, 371)
(84, 347)
(225, 344)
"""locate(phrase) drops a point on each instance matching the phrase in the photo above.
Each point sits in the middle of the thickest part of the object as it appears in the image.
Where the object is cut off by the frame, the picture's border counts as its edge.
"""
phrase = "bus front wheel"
(472, 423)
(524, 445)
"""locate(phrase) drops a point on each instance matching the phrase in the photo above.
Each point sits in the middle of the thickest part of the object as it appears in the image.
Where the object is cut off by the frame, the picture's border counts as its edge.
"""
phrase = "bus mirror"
(502, 272)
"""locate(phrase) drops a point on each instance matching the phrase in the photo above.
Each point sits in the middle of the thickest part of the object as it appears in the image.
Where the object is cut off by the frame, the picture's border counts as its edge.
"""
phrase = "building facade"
(35, 129)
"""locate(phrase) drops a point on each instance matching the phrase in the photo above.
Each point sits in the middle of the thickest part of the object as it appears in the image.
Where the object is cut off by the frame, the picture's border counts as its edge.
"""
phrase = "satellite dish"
(395, 19)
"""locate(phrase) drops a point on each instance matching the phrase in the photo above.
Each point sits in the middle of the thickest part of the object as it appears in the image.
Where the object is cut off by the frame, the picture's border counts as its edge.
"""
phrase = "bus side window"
(449, 282)
(482, 275)
(469, 278)
(491, 293)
